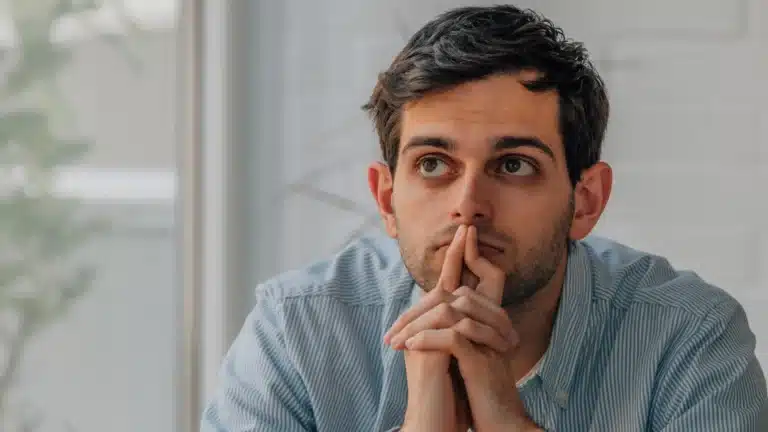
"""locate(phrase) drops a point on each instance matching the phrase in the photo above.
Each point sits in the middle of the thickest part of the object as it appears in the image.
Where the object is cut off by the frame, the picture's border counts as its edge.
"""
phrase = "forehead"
(472, 113)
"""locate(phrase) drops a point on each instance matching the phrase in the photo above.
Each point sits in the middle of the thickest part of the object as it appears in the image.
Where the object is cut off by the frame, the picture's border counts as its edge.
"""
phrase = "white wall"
(688, 138)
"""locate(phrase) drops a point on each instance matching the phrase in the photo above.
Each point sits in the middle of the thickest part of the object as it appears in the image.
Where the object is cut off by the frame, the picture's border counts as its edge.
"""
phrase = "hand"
(434, 399)
(471, 313)
(477, 331)
(436, 396)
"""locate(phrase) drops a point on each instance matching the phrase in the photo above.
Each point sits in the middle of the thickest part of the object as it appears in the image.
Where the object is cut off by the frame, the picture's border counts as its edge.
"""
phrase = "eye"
(431, 166)
(517, 167)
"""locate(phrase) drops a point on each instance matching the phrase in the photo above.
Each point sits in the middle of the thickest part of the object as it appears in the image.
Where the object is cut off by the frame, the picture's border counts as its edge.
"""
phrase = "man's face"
(489, 154)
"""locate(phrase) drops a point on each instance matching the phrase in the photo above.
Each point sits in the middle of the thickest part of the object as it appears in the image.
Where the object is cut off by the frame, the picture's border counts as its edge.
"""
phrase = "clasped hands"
(470, 326)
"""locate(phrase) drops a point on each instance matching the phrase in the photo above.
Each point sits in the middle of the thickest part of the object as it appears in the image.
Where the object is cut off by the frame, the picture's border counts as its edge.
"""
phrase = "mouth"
(488, 249)
(484, 247)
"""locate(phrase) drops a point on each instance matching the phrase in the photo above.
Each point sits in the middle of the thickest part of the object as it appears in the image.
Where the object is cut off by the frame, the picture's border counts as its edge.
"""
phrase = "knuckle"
(467, 324)
(441, 319)
(454, 337)
(405, 333)
(463, 290)
(404, 320)
(446, 315)
(417, 338)
(445, 295)
(463, 302)
(443, 309)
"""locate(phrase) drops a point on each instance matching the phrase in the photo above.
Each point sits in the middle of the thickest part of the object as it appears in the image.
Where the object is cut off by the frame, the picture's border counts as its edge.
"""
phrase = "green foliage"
(39, 231)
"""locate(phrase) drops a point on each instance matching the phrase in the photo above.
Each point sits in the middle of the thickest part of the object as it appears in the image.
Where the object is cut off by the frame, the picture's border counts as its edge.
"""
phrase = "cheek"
(516, 209)
(418, 221)
(526, 218)
(417, 202)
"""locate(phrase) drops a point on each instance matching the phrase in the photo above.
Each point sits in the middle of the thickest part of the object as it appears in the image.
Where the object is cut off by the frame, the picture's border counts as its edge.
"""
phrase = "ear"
(590, 198)
(380, 182)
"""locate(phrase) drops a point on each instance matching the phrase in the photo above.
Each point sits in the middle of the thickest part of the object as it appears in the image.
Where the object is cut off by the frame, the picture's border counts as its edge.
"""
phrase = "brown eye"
(431, 166)
(517, 167)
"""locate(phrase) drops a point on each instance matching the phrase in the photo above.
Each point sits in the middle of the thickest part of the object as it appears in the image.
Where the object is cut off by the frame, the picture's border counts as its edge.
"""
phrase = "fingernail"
(409, 343)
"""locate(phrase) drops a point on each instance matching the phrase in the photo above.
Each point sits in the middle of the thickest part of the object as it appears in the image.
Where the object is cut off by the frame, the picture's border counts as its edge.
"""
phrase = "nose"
(472, 205)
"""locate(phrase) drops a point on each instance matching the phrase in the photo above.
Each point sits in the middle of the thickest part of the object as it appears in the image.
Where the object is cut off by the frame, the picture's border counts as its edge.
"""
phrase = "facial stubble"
(530, 270)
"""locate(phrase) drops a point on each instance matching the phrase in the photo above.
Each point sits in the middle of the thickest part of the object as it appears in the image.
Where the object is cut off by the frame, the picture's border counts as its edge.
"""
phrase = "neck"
(534, 320)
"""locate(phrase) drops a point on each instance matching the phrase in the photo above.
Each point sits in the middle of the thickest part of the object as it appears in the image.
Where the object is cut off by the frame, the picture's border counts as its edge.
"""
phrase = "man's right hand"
(434, 403)
(436, 397)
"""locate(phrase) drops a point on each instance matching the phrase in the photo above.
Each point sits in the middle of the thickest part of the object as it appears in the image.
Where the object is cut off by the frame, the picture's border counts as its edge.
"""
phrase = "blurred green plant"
(39, 231)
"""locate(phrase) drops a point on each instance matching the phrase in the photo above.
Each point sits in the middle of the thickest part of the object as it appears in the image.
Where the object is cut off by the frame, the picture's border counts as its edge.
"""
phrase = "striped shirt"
(636, 346)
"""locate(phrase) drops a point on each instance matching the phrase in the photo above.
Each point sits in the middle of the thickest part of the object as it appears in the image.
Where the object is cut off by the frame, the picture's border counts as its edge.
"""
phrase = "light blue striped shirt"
(636, 346)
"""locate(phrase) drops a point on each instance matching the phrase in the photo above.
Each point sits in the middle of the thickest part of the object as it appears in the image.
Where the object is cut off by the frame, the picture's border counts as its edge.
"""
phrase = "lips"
(495, 249)
(482, 245)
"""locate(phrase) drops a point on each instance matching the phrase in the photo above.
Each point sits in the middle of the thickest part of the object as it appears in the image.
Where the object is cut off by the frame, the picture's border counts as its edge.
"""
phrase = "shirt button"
(562, 397)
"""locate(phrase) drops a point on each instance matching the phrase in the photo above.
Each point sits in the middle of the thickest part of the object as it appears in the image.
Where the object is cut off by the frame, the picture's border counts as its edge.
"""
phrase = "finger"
(450, 274)
(440, 317)
(483, 310)
(491, 277)
(482, 334)
(446, 340)
(429, 301)
(465, 291)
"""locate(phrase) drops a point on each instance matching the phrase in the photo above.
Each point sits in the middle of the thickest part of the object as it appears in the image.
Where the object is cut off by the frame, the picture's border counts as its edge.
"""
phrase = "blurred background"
(159, 158)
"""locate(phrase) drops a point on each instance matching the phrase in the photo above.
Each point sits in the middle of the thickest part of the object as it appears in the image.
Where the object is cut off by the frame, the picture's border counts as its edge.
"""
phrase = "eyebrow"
(500, 143)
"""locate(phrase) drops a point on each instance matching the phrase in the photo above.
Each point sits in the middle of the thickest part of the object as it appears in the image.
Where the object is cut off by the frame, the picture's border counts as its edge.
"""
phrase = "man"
(490, 310)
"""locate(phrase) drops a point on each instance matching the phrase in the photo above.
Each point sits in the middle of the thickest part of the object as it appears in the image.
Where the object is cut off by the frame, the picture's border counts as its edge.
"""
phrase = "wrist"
(506, 419)
(531, 426)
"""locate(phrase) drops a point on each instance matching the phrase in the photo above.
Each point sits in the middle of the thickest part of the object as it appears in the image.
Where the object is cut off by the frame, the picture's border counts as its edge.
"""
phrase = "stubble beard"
(530, 271)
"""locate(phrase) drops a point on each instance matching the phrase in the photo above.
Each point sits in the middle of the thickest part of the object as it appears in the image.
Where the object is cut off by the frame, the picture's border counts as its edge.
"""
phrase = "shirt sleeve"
(713, 381)
(259, 389)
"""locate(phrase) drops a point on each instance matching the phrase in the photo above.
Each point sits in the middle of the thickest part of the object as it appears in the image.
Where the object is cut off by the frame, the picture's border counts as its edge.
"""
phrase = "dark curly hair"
(472, 43)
